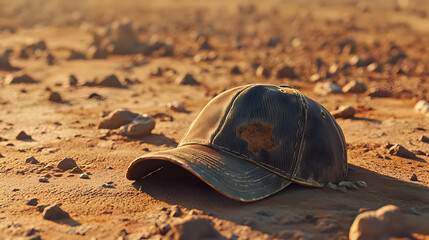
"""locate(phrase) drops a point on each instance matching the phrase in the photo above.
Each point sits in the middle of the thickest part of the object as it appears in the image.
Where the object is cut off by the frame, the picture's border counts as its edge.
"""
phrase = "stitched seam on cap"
(300, 149)
(222, 122)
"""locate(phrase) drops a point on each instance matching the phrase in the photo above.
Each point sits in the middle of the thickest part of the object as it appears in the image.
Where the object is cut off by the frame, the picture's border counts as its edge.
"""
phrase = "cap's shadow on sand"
(176, 186)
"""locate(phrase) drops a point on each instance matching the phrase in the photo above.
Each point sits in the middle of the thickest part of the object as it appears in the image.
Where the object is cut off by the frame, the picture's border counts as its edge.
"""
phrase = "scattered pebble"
(422, 106)
(32, 202)
(73, 80)
(187, 79)
(96, 96)
(55, 97)
(344, 112)
(315, 77)
(50, 59)
(67, 164)
(362, 184)
(23, 136)
(44, 179)
(326, 88)
(401, 151)
(235, 70)
(76, 170)
(109, 185)
(110, 81)
(177, 106)
(23, 78)
(424, 139)
(31, 160)
(84, 176)
(54, 213)
(354, 87)
(414, 177)
(286, 72)
(383, 223)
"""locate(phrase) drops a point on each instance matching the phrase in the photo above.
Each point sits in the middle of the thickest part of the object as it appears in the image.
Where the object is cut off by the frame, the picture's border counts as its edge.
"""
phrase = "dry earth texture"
(66, 64)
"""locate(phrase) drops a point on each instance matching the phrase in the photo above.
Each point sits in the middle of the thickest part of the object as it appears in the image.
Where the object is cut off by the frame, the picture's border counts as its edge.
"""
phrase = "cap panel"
(263, 126)
(323, 152)
(204, 127)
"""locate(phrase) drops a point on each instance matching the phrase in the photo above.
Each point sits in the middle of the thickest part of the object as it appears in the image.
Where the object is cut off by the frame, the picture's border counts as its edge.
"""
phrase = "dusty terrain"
(206, 39)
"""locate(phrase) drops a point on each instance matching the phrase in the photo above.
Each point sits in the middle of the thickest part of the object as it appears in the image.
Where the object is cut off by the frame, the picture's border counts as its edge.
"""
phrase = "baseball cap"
(252, 141)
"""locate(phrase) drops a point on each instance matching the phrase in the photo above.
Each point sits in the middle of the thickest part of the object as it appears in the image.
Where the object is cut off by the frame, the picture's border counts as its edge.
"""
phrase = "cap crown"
(277, 128)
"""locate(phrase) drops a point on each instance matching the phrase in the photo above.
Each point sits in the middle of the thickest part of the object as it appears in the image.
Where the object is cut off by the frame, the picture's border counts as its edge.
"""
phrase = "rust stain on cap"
(258, 137)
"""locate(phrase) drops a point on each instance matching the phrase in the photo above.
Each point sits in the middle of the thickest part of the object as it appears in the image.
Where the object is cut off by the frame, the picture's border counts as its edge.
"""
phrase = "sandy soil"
(331, 31)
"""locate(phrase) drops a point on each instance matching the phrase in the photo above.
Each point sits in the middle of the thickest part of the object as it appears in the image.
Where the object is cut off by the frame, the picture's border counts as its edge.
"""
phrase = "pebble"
(286, 72)
(117, 118)
(31, 160)
(424, 139)
(362, 184)
(354, 87)
(84, 176)
(187, 79)
(110, 81)
(235, 70)
(331, 186)
(109, 185)
(422, 106)
(177, 106)
(76, 170)
(55, 97)
(96, 96)
(414, 177)
(23, 136)
(344, 112)
(23, 78)
(401, 151)
(326, 88)
(66, 164)
(139, 127)
(315, 77)
(54, 213)
(32, 202)
(384, 223)
(192, 228)
(43, 179)
(73, 80)
(156, 72)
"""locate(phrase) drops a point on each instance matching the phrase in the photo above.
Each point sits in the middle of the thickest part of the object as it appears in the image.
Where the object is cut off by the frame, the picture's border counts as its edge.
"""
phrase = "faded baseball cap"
(252, 141)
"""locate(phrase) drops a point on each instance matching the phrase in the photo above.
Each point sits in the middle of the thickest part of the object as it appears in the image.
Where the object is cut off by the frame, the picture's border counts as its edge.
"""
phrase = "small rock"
(381, 93)
(84, 176)
(331, 186)
(362, 184)
(315, 77)
(373, 67)
(414, 177)
(117, 118)
(354, 87)
(55, 97)
(192, 228)
(235, 70)
(110, 81)
(44, 179)
(66, 164)
(344, 112)
(327, 88)
(424, 139)
(286, 72)
(1, 155)
(187, 79)
(31, 160)
(384, 223)
(263, 72)
(76, 170)
(96, 96)
(422, 106)
(156, 72)
(347, 184)
(32, 202)
(139, 127)
(109, 185)
(23, 136)
(23, 78)
(177, 106)
(73, 80)
(401, 151)
(54, 213)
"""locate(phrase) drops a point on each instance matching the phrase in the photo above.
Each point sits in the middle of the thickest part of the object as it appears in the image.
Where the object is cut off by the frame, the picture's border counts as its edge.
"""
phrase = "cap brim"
(231, 176)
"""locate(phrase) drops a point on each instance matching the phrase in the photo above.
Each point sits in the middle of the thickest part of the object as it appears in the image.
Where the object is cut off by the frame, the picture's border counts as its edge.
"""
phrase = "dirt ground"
(311, 37)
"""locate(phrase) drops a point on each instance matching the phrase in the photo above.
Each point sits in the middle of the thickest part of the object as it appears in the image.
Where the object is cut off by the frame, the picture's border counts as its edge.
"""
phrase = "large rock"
(383, 223)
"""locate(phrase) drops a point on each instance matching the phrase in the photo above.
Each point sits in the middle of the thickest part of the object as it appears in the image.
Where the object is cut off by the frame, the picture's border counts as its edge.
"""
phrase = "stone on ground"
(422, 106)
(23, 136)
(187, 79)
(67, 164)
(55, 97)
(139, 127)
(401, 151)
(54, 213)
(326, 88)
(20, 78)
(344, 112)
(117, 118)
(354, 87)
(110, 81)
